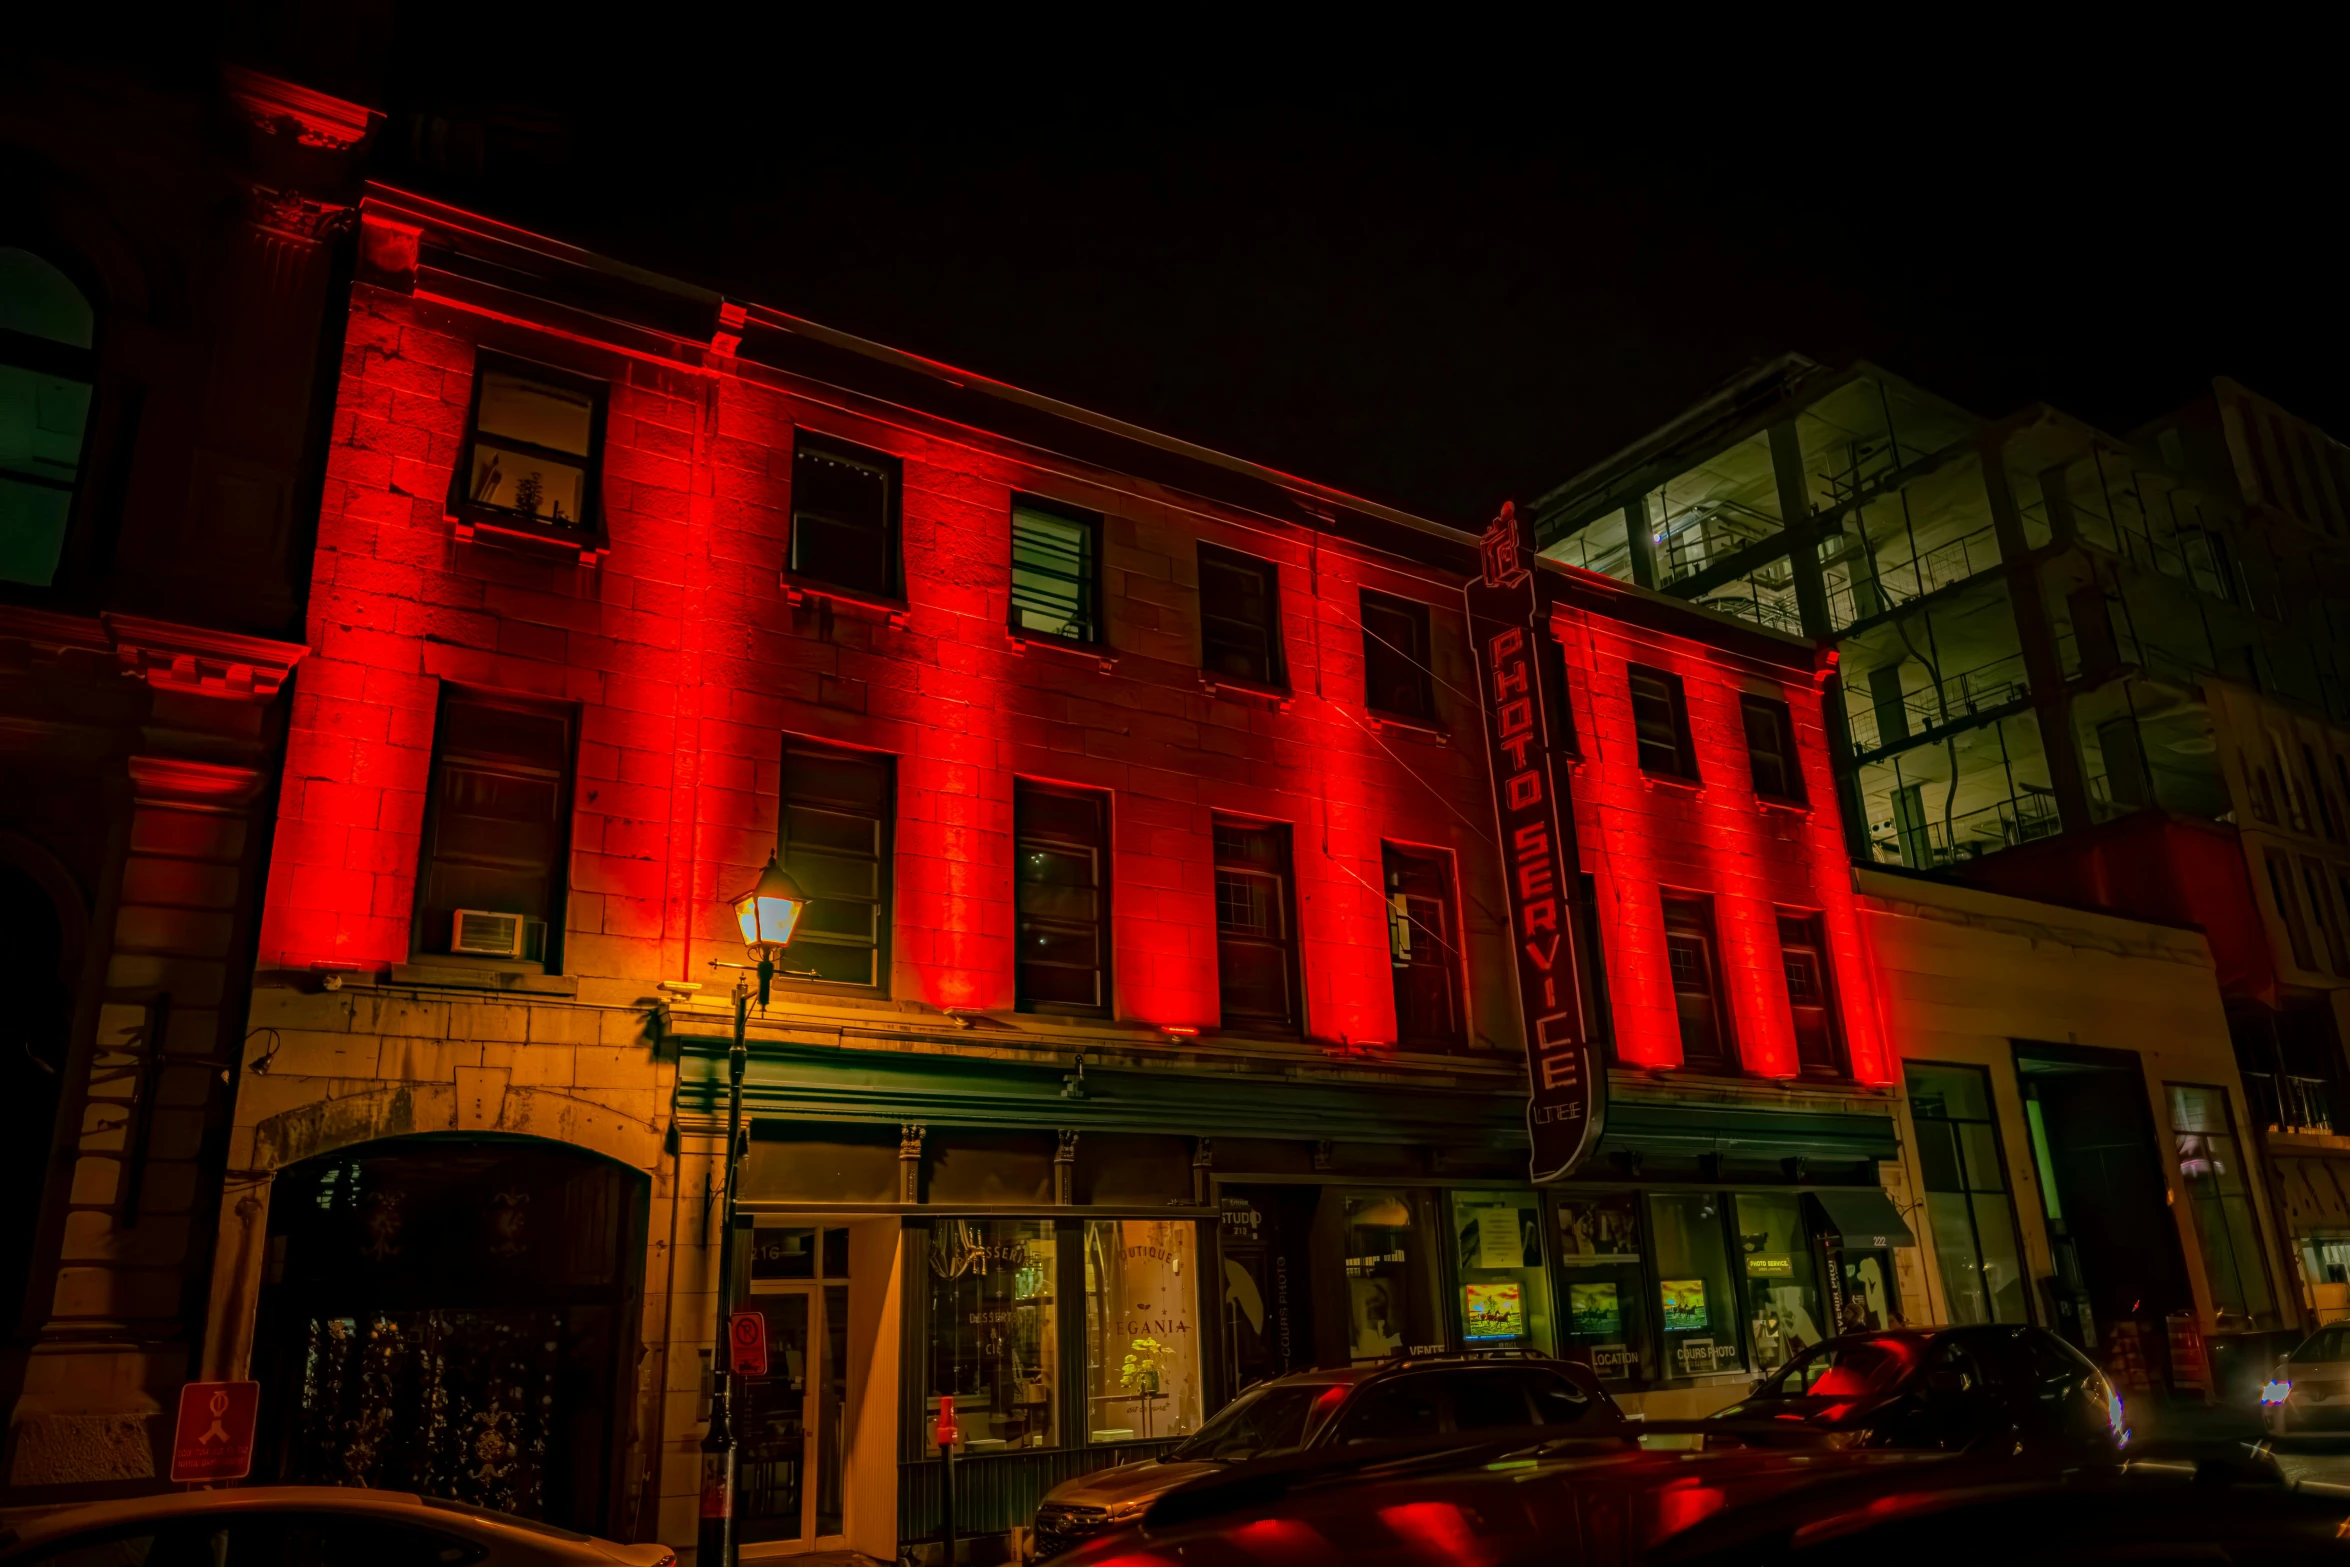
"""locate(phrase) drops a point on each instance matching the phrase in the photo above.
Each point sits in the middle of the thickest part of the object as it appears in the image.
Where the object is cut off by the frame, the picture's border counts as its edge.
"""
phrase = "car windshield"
(1845, 1368)
(1267, 1420)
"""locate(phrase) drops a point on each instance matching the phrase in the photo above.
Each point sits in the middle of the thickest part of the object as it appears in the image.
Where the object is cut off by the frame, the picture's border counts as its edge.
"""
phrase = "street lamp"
(768, 914)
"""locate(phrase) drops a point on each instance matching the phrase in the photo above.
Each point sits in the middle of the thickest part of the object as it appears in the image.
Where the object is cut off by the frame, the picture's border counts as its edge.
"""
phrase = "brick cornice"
(202, 662)
(188, 782)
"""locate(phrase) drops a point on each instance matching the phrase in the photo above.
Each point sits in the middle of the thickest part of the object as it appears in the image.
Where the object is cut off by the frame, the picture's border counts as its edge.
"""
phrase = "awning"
(1667, 1129)
(1863, 1216)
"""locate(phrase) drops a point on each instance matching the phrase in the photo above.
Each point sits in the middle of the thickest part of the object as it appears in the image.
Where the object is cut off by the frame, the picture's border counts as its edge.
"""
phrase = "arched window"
(47, 370)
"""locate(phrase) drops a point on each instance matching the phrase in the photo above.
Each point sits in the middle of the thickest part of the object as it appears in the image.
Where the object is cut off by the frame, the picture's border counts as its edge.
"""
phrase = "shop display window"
(1605, 1317)
(1779, 1276)
(1504, 1293)
(994, 1339)
(1967, 1199)
(1387, 1238)
(1696, 1325)
(1142, 1354)
(2212, 1167)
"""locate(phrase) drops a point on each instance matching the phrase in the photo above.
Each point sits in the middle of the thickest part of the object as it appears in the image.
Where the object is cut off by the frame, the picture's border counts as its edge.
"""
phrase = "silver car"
(1392, 1400)
(2310, 1390)
(304, 1526)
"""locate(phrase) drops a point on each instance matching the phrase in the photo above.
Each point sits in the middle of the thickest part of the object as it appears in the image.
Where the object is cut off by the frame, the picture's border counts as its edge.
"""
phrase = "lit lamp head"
(769, 913)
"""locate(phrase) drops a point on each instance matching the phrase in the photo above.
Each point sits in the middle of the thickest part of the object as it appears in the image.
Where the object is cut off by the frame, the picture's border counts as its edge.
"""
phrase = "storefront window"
(994, 1346)
(2214, 1174)
(1389, 1302)
(1606, 1295)
(1782, 1283)
(1967, 1201)
(1695, 1304)
(1142, 1364)
(1504, 1292)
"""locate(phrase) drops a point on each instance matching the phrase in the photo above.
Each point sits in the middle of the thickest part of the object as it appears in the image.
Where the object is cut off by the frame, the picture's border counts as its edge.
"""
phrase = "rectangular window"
(1558, 695)
(1660, 722)
(1256, 934)
(1770, 749)
(534, 448)
(994, 1338)
(497, 834)
(1600, 1268)
(2323, 915)
(2212, 1168)
(2280, 888)
(1697, 982)
(1142, 1329)
(844, 516)
(1056, 571)
(1504, 1298)
(1811, 997)
(47, 376)
(1391, 1245)
(835, 838)
(1061, 898)
(1240, 616)
(2319, 793)
(1968, 1204)
(1423, 947)
(1396, 677)
(1695, 1302)
(1782, 1284)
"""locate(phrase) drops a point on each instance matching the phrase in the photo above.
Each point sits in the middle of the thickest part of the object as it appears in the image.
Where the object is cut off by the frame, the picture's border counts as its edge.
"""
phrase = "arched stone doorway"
(457, 1316)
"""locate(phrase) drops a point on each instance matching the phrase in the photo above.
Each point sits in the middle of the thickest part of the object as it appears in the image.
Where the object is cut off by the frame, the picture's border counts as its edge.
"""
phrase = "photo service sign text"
(1566, 1104)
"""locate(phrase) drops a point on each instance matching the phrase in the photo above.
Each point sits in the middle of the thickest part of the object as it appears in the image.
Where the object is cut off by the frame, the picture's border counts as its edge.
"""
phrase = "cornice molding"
(202, 662)
(312, 118)
(182, 781)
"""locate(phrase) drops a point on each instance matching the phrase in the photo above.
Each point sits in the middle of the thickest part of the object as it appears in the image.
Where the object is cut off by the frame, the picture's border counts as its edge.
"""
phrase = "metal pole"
(717, 1543)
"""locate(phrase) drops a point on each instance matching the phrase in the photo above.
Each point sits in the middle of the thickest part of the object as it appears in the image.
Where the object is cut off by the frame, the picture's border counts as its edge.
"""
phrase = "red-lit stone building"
(1151, 1026)
(172, 245)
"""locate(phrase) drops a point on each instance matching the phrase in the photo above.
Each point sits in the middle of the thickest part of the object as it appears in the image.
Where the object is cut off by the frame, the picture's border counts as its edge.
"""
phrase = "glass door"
(789, 1460)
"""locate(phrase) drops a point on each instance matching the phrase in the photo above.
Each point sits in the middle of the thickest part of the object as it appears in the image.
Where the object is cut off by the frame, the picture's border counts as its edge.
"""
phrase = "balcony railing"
(1878, 579)
(1970, 835)
(1956, 698)
(2282, 1102)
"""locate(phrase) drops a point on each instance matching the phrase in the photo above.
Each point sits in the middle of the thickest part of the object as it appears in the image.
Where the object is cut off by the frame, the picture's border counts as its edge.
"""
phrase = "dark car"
(1542, 1507)
(1427, 1399)
(1992, 1390)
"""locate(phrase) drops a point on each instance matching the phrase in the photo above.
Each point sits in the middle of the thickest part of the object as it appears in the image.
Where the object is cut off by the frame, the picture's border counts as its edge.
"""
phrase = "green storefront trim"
(798, 1082)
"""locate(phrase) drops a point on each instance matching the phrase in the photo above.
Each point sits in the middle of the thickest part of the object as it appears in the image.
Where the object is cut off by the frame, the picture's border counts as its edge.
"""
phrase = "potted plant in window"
(1139, 1375)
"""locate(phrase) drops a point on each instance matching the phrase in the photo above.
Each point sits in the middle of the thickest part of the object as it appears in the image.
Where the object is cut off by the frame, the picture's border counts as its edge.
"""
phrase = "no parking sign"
(746, 1337)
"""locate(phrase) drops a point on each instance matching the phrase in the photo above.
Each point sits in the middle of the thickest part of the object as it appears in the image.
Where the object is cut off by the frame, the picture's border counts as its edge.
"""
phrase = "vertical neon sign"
(1566, 1102)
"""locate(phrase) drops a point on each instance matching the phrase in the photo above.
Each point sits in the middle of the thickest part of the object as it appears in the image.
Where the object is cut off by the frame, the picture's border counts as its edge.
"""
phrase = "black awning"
(1863, 1216)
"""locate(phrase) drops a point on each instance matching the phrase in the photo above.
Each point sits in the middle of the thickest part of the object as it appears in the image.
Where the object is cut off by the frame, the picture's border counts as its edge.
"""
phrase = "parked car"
(1387, 1402)
(1543, 1506)
(1993, 1390)
(305, 1526)
(2311, 1388)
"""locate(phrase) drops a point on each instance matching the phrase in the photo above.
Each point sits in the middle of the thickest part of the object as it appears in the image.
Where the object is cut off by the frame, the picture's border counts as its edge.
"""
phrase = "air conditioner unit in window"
(487, 935)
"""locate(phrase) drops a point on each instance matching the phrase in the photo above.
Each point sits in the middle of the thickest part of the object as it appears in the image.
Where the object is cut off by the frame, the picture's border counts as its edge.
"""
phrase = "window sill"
(1418, 728)
(457, 974)
(797, 590)
(1672, 781)
(1094, 653)
(1274, 697)
(1771, 802)
(587, 546)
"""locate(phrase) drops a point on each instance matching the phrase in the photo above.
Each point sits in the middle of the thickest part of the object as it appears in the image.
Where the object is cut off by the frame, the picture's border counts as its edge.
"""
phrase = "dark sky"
(1430, 295)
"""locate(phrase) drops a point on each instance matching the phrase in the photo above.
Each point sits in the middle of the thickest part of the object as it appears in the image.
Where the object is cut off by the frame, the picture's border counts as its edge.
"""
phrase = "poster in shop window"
(1493, 1312)
(1684, 1303)
(1520, 679)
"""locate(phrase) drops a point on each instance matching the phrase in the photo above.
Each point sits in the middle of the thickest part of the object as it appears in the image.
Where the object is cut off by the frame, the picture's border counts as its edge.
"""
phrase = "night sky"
(1432, 296)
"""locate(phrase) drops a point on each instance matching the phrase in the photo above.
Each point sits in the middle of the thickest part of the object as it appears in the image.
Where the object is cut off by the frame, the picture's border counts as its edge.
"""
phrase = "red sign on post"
(746, 1338)
(214, 1437)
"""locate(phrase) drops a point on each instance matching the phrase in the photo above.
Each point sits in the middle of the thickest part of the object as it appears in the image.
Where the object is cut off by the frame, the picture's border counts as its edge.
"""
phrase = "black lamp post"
(768, 913)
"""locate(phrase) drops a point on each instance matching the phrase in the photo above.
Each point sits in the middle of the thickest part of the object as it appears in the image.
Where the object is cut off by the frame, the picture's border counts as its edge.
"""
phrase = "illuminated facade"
(1151, 1026)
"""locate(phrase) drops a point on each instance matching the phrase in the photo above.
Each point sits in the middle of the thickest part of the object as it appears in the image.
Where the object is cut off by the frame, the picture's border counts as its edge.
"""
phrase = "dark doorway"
(33, 964)
(456, 1317)
(1267, 1294)
(2119, 1269)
